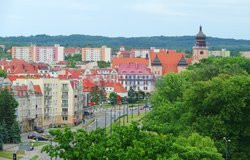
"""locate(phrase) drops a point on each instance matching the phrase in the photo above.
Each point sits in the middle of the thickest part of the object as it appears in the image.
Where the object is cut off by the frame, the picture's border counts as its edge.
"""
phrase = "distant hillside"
(183, 43)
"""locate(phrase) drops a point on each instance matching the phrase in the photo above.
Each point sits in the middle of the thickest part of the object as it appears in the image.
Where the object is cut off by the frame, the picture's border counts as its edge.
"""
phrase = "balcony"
(65, 89)
(65, 97)
(65, 113)
(64, 105)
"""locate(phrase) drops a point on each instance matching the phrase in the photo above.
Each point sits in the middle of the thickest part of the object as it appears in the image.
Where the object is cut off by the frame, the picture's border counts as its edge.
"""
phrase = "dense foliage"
(3, 73)
(130, 143)
(75, 57)
(9, 128)
(211, 98)
(183, 43)
(103, 64)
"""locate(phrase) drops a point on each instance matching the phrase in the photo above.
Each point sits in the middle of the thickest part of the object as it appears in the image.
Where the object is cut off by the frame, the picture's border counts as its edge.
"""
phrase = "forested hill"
(179, 43)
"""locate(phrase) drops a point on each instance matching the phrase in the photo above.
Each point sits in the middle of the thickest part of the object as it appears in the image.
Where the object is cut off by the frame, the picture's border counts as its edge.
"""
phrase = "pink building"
(137, 76)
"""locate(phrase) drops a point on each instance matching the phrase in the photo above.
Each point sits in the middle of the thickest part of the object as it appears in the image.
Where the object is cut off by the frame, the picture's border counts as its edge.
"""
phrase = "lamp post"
(226, 146)
(111, 121)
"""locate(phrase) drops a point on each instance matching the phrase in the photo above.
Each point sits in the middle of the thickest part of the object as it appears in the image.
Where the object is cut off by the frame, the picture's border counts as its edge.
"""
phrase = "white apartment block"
(96, 54)
(142, 53)
(222, 53)
(39, 54)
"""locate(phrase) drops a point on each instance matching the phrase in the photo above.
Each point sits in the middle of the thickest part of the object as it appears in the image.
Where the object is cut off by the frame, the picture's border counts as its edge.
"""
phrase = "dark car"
(40, 138)
(33, 135)
(38, 129)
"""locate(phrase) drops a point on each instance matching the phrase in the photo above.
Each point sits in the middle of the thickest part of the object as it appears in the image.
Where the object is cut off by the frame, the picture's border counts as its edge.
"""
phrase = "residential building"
(166, 61)
(137, 76)
(30, 107)
(62, 100)
(39, 54)
(245, 54)
(118, 61)
(96, 54)
(23, 52)
(141, 53)
(221, 53)
(71, 51)
(48, 54)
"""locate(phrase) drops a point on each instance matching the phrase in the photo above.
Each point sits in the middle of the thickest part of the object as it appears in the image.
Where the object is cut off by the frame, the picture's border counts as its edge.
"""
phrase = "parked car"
(38, 129)
(40, 138)
(33, 135)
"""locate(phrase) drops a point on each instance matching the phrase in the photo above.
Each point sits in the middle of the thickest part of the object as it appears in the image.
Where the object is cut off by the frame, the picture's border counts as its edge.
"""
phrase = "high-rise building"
(200, 50)
(96, 54)
(23, 52)
(39, 54)
(48, 54)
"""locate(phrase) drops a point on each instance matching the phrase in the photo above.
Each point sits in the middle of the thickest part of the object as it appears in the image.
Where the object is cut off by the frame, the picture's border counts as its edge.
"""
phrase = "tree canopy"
(210, 98)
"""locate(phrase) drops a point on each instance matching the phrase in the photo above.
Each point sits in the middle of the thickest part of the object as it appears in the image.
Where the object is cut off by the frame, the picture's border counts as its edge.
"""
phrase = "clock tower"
(200, 50)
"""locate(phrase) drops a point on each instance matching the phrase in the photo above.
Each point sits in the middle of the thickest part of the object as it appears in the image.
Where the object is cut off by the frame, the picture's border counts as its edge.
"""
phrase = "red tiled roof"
(87, 85)
(169, 59)
(119, 88)
(37, 89)
(117, 61)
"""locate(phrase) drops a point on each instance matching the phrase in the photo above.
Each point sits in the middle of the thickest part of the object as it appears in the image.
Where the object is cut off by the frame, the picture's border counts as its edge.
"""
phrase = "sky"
(125, 18)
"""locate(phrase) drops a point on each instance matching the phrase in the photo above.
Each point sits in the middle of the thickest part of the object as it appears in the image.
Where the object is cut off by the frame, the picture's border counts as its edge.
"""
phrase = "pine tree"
(15, 133)
(4, 132)
(1, 138)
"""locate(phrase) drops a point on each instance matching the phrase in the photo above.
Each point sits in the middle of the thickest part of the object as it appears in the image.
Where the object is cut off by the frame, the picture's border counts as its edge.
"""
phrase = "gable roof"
(117, 61)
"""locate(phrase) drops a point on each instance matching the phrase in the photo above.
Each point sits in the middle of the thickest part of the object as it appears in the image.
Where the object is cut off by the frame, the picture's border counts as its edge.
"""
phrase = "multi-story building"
(48, 54)
(221, 53)
(96, 54)
(62, 100)
(142, 53)
(136, 76)
(245, 54)
(23, 52)
(29, 111)
(71, 51)
(39, 54)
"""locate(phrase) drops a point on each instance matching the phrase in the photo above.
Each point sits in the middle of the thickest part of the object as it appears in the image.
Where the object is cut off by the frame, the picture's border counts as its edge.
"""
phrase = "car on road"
(40, 138)
(38, 129)
(32, 135)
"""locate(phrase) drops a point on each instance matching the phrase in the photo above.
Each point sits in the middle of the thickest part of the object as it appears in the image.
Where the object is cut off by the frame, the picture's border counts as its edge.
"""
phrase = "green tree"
(1, 137)
(71, 64)
(75, 57)
(103, 64)
(96, 94)
(15, 133)
(113, 98)
(132, 95)
(3, 74)
(4, 132)
(129, 142)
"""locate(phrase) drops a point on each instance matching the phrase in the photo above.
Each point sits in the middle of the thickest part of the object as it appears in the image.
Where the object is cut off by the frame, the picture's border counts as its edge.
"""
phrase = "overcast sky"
(126, 18)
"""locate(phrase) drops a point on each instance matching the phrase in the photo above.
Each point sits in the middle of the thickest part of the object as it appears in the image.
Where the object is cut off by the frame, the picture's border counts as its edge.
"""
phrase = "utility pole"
(127, 112)
(105, 123)
(138, 110)
(226, 146)
(111, 121)
(119, 117)
(96, 124)
(123, 112)
(132, 111)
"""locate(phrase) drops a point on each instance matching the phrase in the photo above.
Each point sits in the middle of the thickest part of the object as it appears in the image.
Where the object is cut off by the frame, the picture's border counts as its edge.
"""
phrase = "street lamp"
(226, 146)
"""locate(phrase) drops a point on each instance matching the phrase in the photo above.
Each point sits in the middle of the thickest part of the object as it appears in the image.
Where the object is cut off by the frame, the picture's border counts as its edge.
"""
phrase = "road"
(101, 118)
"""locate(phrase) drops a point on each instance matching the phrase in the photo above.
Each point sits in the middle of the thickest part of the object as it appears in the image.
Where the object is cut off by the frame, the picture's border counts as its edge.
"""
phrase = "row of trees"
(211, 99)
(130, 142)
(9, 127)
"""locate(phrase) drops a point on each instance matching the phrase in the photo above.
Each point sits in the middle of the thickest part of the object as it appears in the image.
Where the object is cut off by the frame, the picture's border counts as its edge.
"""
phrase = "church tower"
(156, 67)
(200, 50)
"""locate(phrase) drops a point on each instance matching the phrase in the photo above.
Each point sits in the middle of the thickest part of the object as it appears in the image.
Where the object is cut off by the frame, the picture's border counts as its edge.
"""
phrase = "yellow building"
(61, 100)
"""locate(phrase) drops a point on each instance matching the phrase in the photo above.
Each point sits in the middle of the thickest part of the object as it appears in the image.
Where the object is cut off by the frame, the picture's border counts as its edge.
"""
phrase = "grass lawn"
(9, 155)
(34, 157)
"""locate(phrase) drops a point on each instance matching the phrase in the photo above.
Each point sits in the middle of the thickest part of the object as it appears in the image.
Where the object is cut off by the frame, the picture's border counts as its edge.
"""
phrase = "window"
(65, 118)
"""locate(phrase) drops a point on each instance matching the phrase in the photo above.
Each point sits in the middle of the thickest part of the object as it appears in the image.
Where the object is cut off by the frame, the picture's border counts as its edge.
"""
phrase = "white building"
(222, 53)
(96, 54)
